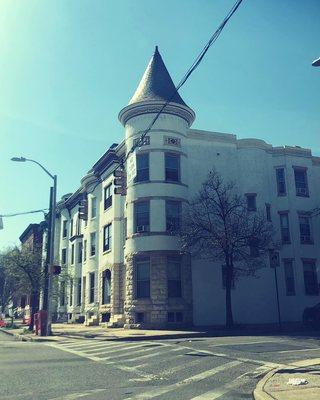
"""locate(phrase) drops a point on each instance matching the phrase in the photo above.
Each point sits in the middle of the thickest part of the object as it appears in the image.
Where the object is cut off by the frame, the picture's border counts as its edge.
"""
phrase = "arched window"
(106, 286)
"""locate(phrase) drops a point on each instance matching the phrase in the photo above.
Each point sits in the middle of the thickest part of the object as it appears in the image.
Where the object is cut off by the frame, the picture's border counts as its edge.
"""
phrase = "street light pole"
(51, 252)
(47, 293)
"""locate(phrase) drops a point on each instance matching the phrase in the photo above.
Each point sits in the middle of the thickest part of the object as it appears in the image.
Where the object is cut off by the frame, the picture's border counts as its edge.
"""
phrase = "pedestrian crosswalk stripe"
(130, 353)
(134, 346)
(196, 378)
(87, 344)
(151, 355)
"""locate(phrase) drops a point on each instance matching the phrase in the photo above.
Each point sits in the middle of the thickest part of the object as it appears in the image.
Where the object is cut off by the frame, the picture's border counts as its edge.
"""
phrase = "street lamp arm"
(41, 166)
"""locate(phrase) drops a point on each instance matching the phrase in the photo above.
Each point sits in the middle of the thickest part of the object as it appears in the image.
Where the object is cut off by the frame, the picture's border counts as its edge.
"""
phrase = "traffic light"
(120, 182)
(83, 209)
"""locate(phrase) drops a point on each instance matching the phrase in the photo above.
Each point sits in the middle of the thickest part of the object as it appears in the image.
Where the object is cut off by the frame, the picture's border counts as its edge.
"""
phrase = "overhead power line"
(193, 67)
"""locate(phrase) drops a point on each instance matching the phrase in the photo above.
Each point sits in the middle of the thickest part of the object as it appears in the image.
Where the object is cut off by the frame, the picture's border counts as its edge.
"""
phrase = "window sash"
(107, 237)
(65, 228)
(173, 215)
(92, 244)
(310, 278)
(284, 225)
(93, 207)
(79, 252)
(142, 215)
(92, 287)
(142, 278)
(305, 229)
(281, 181)
(84, 250)
(289, 278)
(72, 254)
(142, 167)
(106, 289)
(71, 292)
(107, 197)
(79, 292)
(64, 256)
(172, 167)
(251, 202)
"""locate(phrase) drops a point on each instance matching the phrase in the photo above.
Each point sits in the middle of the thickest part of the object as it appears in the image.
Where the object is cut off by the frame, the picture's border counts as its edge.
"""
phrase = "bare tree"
(23, 266)
(218, 226)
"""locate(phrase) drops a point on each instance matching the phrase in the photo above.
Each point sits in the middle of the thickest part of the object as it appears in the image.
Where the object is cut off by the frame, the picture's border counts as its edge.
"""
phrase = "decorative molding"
(153, 107)
(145, 142)
(171, 141)
(155, 181)
(146, 198)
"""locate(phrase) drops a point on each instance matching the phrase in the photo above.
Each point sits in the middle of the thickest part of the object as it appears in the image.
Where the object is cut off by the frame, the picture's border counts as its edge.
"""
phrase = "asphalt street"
(196, 369)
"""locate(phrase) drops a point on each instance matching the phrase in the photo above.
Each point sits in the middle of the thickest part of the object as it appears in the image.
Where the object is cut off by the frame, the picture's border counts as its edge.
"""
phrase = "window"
(106, 286)
(71, 227)
(64, 228)
(141, 213)
(174, 276)
(84, 289)
(173, 215)
(310, 277)
(305, 229)
(92, 244)
(91, 287)
(63, 256)
(79, 292)
(84, 250)
(71, 292)
(224, 278)
(79, 252)
(172, 167)
(139, 317)
(78, 226)
(107, 195)
(107, 237)
(142, 167)
(281, 181)
(62, 293)
(268, 212)
(254, 247)
(289, 277)
(284, 226)
(251, 201)
(72, 254)
(142, 278)
(175, 316)
(300, 178)
(124, 230)
(93, 207)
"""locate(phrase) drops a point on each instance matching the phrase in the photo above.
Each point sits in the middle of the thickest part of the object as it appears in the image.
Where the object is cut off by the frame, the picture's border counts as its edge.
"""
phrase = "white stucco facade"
(128, 278)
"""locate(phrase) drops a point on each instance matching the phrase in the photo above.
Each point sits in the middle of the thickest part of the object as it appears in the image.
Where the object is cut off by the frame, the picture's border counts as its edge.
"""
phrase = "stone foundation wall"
(156, 307)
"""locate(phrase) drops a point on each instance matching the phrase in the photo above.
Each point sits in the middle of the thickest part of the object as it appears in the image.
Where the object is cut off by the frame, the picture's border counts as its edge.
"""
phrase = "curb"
(135, 337)
(259, 393)
(23, 338)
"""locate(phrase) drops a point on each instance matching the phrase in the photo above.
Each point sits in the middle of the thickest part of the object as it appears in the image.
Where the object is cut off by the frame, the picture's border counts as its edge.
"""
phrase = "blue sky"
(68, 67)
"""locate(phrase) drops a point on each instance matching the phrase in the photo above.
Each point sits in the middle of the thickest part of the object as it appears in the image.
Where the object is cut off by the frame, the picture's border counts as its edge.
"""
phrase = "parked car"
(311, 316)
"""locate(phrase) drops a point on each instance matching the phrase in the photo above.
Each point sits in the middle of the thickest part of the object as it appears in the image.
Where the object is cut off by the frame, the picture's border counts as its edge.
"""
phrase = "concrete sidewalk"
(275, 385)
(61, 331)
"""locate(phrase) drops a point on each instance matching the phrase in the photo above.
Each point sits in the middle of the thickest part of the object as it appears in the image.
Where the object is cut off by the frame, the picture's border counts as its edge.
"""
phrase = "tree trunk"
(34, 307)
(229, 275)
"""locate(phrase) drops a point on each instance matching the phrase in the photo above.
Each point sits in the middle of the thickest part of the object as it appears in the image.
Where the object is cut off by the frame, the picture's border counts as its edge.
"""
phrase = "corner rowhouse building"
(124, 263)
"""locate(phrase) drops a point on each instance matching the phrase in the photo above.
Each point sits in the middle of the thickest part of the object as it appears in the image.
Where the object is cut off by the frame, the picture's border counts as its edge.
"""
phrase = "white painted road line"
(293, 351)
(196, 378)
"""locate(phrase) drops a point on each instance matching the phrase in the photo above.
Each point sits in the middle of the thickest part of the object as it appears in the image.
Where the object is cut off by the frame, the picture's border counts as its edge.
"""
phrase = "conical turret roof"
(156, 83)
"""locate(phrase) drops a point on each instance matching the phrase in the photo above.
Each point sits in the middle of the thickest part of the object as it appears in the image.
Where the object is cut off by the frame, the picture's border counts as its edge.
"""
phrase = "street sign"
(131, 168)
(274, 257)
